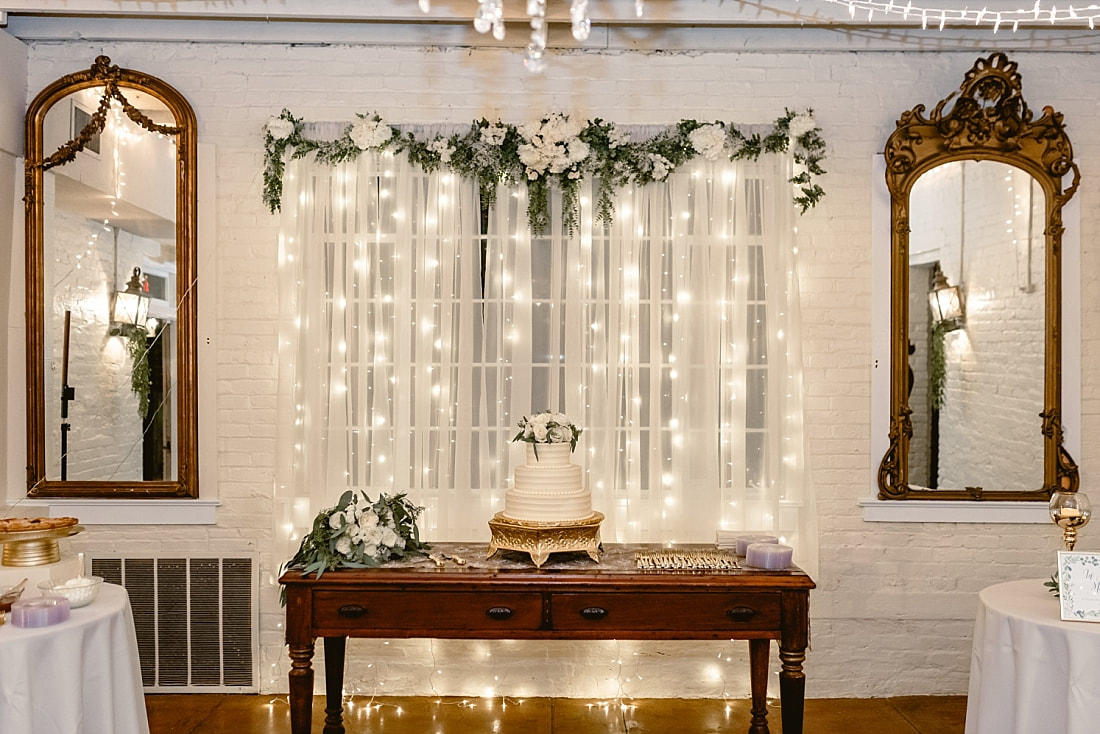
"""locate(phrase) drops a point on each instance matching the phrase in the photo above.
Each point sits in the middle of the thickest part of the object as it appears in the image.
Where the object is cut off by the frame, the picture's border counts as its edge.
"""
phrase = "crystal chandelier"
(490, 17)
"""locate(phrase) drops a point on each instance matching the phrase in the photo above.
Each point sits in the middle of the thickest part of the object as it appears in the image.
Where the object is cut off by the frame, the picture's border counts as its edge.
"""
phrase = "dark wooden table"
(569, 598)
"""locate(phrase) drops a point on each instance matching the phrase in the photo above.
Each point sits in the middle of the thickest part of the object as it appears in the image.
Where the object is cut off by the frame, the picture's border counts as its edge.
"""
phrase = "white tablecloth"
(1030, 672)
(78, 677)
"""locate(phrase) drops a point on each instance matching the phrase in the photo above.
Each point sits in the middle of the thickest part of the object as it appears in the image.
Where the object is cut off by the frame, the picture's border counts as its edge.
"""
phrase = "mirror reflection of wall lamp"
(946, 302)
(130, 308)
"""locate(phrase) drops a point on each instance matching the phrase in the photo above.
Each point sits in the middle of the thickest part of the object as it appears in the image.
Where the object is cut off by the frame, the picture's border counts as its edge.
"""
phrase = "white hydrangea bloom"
(367, 134)
(709, 141)
(279, 128)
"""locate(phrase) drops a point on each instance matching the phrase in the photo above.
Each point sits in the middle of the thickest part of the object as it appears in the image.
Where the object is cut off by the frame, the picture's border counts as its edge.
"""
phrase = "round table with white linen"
(1030, 672)
(81, 676)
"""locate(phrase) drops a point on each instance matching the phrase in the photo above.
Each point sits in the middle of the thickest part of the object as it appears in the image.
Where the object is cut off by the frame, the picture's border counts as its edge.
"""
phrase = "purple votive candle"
(41, 612)
(744, 541)
(771, 556)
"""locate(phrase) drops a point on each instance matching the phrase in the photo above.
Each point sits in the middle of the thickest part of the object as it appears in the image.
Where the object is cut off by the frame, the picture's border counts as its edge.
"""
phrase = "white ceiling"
(666, 25)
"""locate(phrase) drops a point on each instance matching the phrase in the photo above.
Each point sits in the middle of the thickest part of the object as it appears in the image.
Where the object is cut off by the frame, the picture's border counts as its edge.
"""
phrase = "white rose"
(660, 166)
(389, 538)
(560, 418)
(343, 546)
(336, 520)
(540, 433)
(279, 128)
(558, 434)
(373, 535)
(370, 550)
(368, 519)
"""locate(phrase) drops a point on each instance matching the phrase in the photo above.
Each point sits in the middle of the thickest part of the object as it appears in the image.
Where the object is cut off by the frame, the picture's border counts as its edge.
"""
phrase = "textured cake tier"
(548, 454)
(555, 506)
(548, 478)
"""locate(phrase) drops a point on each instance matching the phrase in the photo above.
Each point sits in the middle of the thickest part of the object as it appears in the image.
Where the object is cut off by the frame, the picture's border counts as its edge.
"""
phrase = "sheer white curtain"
(412, 343)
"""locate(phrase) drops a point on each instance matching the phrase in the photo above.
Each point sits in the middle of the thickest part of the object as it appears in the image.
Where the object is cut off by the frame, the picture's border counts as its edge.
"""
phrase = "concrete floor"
(240, 714)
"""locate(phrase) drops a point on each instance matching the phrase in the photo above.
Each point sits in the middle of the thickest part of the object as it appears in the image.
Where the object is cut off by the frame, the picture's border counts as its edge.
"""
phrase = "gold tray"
(34, 547)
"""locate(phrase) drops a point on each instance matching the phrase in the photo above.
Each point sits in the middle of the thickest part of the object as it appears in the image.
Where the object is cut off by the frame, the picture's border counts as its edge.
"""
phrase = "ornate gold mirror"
(111, 303)
(976, 192)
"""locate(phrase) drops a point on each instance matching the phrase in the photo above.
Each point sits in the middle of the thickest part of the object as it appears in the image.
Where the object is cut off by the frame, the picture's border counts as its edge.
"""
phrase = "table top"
(467, 561)
(110, 600)
(1028, 600)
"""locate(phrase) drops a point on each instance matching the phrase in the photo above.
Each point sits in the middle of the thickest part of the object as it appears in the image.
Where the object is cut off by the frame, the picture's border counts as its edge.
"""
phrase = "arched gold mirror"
(976, 192)
(111, 301)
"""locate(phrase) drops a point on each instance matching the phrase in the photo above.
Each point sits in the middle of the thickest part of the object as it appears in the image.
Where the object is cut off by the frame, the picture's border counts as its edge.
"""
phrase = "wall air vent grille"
(195, 620)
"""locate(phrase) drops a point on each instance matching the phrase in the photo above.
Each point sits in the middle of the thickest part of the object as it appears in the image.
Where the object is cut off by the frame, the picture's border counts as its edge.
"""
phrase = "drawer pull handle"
(741, 614)
(499, 612)
(593, 613)
(353, 611)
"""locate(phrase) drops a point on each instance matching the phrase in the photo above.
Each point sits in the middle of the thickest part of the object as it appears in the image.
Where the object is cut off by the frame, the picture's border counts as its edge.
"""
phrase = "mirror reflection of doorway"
(156, 442)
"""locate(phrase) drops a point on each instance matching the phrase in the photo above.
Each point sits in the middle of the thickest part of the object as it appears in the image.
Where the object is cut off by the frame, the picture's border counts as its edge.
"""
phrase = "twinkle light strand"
(941, 17)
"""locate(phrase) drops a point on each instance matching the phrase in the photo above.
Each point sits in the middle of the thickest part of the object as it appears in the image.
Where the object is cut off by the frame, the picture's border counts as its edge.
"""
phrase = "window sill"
(875, 510)
(130, 512)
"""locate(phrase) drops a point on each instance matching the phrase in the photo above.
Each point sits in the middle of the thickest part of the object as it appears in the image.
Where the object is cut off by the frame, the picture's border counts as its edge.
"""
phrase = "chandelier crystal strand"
(535, 60)
(1037, 13)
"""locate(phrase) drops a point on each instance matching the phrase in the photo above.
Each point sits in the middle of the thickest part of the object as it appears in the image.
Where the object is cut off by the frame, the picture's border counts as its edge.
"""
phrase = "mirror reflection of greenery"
(137, 344)
(937, 366)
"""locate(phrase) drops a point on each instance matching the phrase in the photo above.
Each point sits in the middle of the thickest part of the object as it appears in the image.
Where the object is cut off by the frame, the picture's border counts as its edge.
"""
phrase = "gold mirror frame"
(988, 120)
(114, 80)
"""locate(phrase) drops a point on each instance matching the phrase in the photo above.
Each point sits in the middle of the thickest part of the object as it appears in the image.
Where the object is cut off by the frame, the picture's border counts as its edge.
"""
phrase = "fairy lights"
(942, 17)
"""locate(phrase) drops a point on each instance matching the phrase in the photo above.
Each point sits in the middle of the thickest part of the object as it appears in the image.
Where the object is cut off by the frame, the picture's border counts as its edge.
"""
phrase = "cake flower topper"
(548, 427)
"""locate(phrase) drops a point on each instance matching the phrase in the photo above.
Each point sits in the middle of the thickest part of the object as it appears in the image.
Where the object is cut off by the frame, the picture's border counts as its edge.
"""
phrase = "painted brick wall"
(894, 607)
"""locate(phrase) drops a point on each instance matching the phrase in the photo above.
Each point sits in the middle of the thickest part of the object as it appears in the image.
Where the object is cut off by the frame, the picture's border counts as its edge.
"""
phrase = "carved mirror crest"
(111, 305)
(976, 191)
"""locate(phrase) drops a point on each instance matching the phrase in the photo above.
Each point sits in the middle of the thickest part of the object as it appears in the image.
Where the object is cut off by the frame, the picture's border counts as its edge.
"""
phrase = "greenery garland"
(556, 151)
(140, 373)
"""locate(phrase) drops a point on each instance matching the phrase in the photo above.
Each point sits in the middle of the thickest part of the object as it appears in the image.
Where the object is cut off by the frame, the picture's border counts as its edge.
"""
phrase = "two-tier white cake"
(548, 488)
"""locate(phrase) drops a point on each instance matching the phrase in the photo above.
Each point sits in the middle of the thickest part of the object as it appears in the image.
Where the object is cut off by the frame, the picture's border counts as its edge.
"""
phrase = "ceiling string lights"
(490, 18)
(1037, 14)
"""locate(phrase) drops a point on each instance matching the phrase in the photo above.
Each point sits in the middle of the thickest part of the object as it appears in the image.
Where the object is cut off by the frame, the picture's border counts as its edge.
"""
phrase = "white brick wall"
(894, 607)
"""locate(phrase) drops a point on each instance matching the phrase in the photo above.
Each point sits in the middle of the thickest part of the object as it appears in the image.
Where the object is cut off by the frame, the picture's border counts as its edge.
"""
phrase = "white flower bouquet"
(548, 427)
(359, 533)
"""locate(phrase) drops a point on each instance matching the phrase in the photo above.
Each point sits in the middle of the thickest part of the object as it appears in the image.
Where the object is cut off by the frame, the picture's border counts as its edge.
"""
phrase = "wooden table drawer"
(649, 612)
(439, 610)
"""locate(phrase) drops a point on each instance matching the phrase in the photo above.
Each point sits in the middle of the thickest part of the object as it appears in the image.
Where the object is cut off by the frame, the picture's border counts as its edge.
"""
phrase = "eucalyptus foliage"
(360, 533)
(555, 152)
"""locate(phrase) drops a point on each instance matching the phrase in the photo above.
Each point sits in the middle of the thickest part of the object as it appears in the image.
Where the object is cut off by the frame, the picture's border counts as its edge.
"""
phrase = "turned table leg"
(301, 688)
(334, 684)
(758, 678)
(792, 689)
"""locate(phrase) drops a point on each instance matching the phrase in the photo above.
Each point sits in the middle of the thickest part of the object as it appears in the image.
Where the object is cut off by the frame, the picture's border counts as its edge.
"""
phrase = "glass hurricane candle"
(1069, 511)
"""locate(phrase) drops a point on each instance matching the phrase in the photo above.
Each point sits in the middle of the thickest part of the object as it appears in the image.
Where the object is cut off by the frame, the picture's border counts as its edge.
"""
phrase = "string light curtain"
(413, 343)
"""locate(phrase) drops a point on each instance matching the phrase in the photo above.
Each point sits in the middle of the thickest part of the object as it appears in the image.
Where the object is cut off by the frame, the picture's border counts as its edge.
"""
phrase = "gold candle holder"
(1069, 511)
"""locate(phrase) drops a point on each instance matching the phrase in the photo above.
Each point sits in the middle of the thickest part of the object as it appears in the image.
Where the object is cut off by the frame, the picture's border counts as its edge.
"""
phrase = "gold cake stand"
(540, 539)
(34, 547)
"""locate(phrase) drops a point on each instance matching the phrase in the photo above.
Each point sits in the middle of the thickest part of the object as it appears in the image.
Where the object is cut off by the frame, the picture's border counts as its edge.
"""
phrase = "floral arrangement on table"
(359, 532)
(548, 427)
(555, 151)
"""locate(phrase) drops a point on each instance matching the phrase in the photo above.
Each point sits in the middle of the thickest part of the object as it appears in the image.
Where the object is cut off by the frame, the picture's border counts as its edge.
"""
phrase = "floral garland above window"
(557, 150)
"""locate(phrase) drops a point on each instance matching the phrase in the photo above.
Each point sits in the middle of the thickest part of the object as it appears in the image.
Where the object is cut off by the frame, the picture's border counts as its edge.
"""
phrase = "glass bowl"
(80, 591)
(9, 595)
